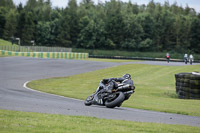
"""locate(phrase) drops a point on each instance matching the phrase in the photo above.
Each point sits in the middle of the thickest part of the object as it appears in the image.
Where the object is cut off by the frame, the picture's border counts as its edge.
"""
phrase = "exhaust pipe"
(126, 87)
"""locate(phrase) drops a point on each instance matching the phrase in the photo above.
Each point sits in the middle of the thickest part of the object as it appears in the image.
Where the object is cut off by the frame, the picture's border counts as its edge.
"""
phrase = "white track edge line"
(25, 86)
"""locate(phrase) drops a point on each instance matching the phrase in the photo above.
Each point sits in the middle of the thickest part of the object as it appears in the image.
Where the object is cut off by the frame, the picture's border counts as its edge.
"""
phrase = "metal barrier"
(138, 58)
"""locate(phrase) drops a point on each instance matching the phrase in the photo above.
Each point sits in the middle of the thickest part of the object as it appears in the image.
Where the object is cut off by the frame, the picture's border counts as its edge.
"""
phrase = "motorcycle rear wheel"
(117, 101)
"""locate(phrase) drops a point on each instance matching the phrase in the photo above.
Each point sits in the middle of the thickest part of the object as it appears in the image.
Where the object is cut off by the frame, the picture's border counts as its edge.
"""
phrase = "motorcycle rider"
(111, 83)
(106, 86)
(186, 58)
(191, 58)
(167, 57)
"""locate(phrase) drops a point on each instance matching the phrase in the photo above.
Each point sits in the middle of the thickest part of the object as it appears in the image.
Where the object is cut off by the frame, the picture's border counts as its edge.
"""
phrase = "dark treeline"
(109, 25)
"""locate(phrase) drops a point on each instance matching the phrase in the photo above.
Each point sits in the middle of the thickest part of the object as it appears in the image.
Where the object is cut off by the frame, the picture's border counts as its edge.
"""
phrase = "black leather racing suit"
(112, 83)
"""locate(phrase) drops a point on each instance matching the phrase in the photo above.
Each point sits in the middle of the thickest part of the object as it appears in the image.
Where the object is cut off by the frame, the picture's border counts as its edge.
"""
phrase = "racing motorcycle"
(167, 57)
(185, 60)
(190, 60)
(110, 99)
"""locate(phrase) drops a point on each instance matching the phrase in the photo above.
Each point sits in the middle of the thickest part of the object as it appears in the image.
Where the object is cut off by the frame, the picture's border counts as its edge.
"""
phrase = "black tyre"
(116, 101)
(183, 97)
(182, 84)
(177, 89)
(185, 89)
(194, 86)
(178, 80)
(183, 80)
(184, 94)
(182, 75)
(88, 101)
(195, 77)
(195, 91)
(195, 82)
(194, 96)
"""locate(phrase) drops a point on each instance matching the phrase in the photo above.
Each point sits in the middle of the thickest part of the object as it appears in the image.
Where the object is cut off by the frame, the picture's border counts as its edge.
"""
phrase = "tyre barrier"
(188, 85)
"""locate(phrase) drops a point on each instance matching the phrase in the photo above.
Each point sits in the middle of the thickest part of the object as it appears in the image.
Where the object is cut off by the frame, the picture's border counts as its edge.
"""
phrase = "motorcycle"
(190, 60)
(110, 99)
(185, 60)
(167, 57)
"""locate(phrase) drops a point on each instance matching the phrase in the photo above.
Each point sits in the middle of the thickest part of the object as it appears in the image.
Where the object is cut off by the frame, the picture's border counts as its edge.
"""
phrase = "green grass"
(110, 60)
(6, 45)
(4, 42)
(155, 87)
(27, 122)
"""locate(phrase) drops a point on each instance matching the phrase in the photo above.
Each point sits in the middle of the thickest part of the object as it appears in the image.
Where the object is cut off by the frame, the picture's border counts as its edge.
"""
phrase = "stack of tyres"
(188, 85)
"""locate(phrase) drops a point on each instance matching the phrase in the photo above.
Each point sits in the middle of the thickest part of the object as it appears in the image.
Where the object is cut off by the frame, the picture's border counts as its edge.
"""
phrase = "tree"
(159, 28)
(10, 25)
(2, 21)
(168, 37)
(43, 35)
(28, 29)
(100, 33)
(114, 23)
(31, 5)
(21, 24)
(54, 26)
(148, 24)
(195, 35)
(20, 8)
(110, 25)
(86, 36)
(146, 45)
(73, 21)
(151, 7)
(133, 33)
(7, 4)
(63, 37)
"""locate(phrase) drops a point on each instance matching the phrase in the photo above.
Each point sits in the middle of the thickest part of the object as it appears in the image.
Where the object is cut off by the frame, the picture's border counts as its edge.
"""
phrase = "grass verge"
(110, 60)
(16, 121)
(155, 87)
(4, 42)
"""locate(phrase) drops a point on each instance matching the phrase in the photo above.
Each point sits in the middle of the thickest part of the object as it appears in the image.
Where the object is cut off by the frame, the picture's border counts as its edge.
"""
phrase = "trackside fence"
(34, 48)
(55, 55)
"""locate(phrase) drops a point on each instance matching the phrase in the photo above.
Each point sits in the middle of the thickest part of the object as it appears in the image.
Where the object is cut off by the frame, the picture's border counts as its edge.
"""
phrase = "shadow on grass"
(170, 95)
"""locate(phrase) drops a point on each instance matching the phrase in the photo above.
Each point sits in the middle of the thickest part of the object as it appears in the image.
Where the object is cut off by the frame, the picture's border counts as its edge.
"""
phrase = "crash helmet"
(127, 76)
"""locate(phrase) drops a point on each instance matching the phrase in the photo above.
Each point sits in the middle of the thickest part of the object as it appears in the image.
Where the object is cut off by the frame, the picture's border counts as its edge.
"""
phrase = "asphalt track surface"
(16, 71)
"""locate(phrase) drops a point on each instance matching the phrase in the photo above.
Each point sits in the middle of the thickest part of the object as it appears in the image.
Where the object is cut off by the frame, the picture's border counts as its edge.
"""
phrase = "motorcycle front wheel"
(190, 62)
(88, 101)
(119, 98)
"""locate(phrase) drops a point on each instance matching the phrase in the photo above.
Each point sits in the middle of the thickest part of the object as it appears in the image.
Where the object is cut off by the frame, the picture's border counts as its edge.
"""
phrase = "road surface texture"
(16, 71)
